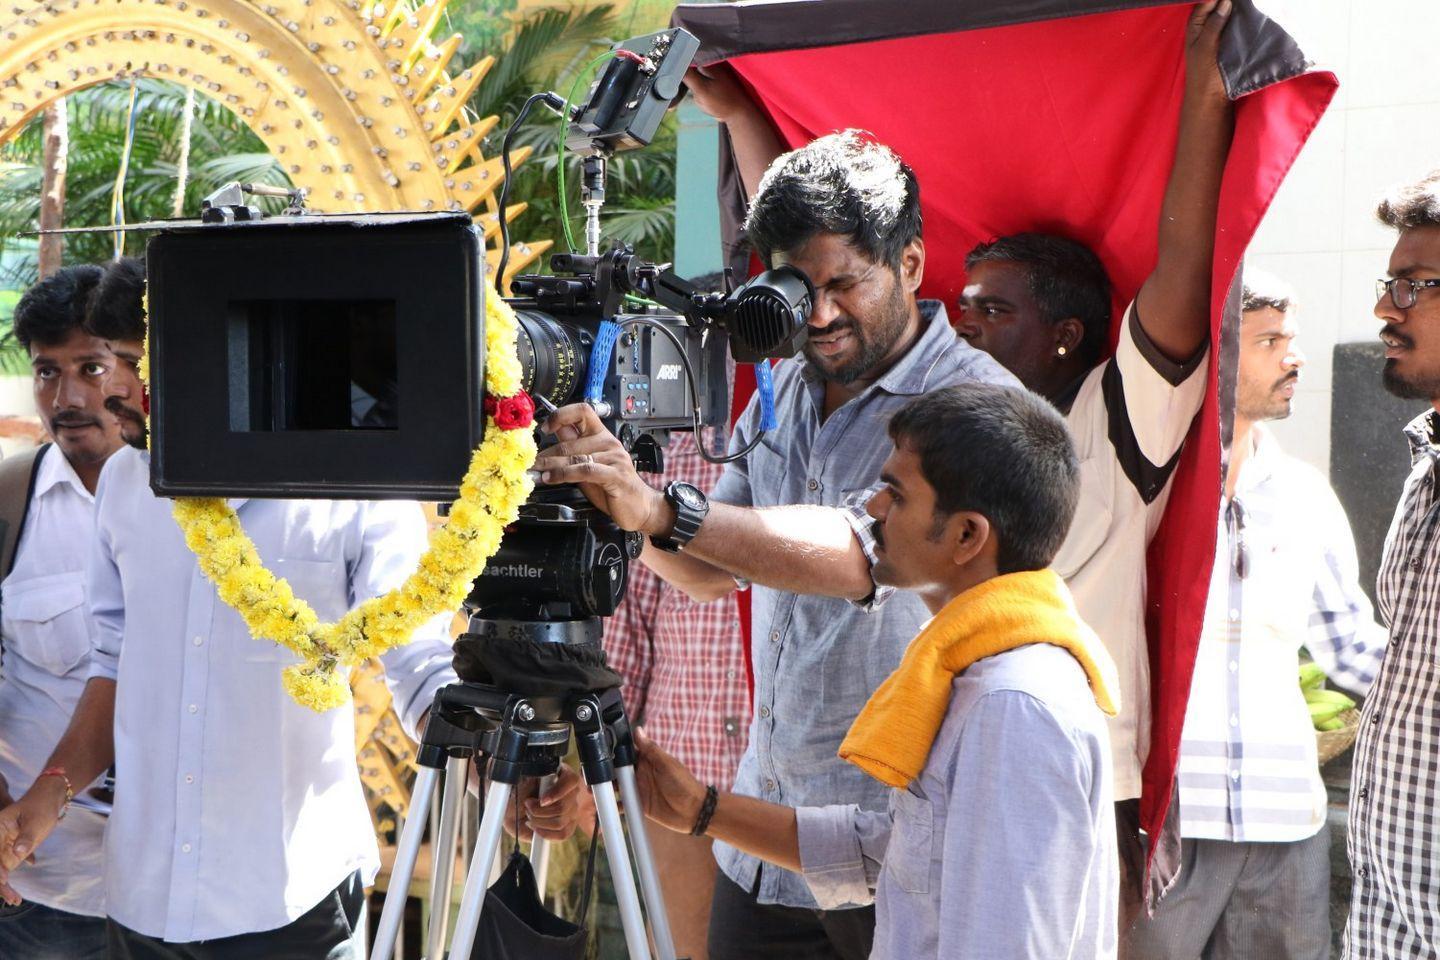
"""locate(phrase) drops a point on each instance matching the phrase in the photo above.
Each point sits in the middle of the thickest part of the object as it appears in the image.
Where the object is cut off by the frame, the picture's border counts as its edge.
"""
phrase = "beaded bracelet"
(69, 791)
(707, 810)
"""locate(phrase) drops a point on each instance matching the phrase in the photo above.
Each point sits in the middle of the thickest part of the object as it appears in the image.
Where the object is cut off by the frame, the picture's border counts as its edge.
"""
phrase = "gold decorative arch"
(358, 103)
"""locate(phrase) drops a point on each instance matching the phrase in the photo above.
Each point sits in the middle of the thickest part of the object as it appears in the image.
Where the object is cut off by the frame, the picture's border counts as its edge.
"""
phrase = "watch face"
(689, 496)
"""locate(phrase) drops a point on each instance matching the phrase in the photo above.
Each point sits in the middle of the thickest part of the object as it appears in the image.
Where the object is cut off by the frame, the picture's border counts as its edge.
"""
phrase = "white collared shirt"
(1285, 576)
(1129, 420)
(236, 809)
(45, 635)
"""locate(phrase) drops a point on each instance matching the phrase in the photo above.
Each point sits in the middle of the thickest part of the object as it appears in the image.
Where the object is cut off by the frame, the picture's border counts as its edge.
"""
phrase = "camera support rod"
(592, 197)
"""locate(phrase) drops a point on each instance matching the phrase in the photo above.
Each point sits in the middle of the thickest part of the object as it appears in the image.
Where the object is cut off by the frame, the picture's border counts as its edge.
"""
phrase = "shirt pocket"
(47, 620)
(1093, 514)
(912, 842)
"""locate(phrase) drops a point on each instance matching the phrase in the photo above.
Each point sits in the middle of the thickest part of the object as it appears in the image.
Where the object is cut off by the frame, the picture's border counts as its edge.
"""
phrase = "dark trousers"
(742, 928)
(1243, 901)
(327, 931)
(34, 932)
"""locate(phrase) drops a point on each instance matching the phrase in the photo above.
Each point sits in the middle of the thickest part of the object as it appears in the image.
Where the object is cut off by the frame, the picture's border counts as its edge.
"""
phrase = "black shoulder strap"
(17, 484)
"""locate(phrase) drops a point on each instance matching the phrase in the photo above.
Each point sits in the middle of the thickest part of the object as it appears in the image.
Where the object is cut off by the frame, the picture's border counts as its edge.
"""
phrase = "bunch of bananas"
(1327, 707)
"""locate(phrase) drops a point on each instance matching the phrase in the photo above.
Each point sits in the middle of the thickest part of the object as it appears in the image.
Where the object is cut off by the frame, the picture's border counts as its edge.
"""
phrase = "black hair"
(1066, 280)
(55, 307)
(117, 307)
(1002, 452)
(841, 184)
(1413, 204)
(1264, 291)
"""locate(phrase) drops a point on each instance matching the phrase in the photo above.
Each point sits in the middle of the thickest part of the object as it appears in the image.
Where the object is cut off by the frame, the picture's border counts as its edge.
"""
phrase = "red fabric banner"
(1066, 126)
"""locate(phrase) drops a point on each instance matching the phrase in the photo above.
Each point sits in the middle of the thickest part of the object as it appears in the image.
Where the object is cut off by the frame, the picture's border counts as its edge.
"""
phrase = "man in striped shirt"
(1395, 791)
(1255, 850)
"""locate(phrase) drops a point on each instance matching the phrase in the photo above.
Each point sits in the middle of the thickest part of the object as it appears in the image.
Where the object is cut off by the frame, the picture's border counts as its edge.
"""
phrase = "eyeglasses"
(1403, 291)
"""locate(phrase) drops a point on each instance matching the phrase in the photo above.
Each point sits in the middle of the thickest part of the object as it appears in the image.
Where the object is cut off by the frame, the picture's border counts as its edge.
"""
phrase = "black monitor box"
(316, 356)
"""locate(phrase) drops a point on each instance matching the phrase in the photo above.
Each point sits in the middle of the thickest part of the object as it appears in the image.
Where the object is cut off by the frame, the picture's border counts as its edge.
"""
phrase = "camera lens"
(552, 357)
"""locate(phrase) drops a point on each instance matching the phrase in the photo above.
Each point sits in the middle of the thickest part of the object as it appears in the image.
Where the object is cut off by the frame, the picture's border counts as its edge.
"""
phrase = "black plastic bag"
(515, 925)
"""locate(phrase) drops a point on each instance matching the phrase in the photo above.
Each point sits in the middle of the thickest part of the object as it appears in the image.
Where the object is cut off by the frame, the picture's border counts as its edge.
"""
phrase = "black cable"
(692, 383)
(554, 102)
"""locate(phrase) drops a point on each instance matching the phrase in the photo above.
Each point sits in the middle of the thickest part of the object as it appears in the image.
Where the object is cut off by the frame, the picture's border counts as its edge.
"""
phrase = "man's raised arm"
(752, 139)
(1174, 303)
(802, 549)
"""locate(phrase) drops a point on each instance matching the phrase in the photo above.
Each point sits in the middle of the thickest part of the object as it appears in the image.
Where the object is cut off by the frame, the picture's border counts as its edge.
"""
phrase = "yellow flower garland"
(491, 493)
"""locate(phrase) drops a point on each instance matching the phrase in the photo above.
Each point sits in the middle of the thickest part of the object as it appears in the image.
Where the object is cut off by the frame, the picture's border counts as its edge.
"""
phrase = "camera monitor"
(316, 356)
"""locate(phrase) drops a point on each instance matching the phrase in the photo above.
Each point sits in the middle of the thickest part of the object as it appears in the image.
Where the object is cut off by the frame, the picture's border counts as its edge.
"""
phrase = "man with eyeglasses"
(1255, 851)
(1394, 836)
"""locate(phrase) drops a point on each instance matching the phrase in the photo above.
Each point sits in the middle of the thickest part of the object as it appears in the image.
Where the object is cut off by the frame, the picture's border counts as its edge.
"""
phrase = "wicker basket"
(1329, 744)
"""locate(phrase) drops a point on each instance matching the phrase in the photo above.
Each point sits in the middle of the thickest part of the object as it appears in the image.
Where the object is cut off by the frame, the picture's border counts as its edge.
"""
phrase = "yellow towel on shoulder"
(891, 738)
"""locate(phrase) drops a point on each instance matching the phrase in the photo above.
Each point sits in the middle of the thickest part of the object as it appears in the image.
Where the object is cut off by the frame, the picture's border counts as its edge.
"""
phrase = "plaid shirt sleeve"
(863, 526)
(1343, 637)
(630, 638)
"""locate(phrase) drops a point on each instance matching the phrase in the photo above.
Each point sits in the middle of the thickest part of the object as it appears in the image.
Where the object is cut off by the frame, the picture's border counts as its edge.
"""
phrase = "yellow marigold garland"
(491, 493)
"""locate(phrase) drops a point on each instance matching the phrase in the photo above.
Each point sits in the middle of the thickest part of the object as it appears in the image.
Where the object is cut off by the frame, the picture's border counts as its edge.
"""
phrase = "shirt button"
(1234, 666)
(764, 712)
(774, 636)
(729, 674)
(769, 786)
(812, 484)
(1359, 871)
(1364, 792)
(1374, 719)
(1234, 720)
(198, 640)
(185, 848)
(1414, 563)
(1234, 615)
(189, 778)
(194, 708)
(1234, 774)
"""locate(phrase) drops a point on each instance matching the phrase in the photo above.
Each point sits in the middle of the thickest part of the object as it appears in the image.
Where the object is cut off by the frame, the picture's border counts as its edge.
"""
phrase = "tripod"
(522, 736)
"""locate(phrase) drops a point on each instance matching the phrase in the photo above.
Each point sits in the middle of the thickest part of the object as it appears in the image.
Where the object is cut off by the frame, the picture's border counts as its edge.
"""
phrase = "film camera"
(309, 355)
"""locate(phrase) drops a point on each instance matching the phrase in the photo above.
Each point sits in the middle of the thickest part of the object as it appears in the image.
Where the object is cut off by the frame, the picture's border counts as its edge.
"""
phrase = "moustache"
(877, 530)
(73, 420)
(1394, 334)
(835, 326)
(1288, 378)
(119, 408)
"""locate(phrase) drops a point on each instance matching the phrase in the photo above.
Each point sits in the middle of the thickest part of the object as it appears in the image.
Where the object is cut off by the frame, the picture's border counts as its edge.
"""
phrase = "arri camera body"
(342, 356)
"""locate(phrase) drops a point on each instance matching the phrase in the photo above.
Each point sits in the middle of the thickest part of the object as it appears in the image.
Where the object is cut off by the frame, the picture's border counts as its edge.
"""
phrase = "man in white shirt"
(1255, 851)
(239, 828)
(55, 907)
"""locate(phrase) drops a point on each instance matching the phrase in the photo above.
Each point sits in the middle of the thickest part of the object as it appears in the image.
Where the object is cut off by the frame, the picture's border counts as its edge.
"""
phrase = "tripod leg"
(442, 876)
(624, 881)
(645, 864)
(404, 867)
(477, 878)
(539, 851)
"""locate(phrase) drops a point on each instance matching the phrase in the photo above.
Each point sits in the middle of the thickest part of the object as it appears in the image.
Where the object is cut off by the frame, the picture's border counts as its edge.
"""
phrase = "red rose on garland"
(511, 413)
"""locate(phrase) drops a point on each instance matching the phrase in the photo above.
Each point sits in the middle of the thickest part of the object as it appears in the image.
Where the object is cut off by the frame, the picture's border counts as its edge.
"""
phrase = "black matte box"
(217, 362)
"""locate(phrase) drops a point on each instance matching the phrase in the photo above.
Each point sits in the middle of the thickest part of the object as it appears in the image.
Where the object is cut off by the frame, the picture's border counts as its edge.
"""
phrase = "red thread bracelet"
(69, 791)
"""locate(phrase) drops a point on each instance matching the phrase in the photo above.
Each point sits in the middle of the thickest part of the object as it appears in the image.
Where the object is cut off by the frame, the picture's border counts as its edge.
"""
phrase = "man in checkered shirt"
(1395, 791)
(684, 673)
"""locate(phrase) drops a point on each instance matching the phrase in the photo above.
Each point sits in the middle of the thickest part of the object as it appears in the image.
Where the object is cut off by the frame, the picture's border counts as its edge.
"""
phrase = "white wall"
(1321, 234)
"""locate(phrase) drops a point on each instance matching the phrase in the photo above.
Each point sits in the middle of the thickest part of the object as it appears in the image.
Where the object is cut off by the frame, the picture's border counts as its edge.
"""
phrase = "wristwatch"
(691, 506)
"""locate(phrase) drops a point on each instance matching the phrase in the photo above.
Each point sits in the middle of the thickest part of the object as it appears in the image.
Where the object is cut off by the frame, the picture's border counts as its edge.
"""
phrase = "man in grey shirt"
(847, 212)
(999, 839)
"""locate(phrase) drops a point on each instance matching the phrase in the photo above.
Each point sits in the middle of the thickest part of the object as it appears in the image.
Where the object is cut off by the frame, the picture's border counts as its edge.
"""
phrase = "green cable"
(584, 72)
